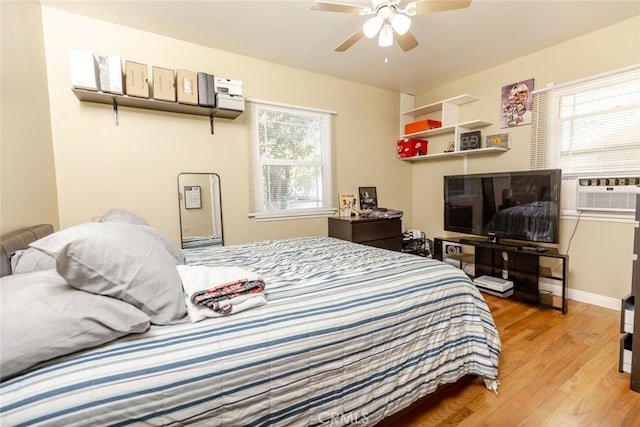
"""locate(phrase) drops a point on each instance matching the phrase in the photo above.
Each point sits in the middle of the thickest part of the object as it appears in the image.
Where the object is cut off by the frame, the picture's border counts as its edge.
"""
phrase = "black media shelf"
(521, 264)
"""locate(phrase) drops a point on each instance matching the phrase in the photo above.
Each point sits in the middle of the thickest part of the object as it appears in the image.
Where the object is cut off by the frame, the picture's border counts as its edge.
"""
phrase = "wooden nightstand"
(383, 233)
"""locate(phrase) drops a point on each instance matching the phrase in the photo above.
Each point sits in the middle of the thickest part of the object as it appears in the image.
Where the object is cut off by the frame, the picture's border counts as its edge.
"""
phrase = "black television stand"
(525, 266)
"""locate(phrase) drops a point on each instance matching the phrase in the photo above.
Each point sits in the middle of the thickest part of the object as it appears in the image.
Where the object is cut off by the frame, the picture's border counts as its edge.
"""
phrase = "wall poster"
(516, 104)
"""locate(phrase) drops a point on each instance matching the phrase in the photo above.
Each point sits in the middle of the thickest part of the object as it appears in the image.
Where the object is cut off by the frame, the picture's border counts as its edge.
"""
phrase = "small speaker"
(453, 249)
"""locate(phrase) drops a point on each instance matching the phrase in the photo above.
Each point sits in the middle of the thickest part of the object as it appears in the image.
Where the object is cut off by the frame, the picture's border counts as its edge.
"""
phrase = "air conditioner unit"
(612, 194)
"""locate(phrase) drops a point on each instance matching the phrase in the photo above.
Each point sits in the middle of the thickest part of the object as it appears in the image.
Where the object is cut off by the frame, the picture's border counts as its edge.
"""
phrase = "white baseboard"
(582, 296)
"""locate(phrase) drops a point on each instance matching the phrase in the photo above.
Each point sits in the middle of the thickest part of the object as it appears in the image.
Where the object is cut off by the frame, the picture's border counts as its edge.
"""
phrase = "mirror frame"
(219, 203)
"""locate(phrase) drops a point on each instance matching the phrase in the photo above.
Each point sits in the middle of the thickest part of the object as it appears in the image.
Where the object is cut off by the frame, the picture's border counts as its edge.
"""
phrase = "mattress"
(350, 334)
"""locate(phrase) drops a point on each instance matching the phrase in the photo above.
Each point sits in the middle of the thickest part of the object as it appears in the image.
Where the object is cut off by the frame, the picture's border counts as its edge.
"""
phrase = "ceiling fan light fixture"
(372, 26)
(386, 36)
(400, 23)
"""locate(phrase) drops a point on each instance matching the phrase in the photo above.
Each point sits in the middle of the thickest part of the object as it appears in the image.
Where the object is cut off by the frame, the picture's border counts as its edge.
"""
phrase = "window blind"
(291, 171)
(589, 127)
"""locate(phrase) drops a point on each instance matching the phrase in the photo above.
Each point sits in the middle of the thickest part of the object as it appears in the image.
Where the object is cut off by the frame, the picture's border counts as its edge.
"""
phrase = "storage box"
(110, 70)
(206, 90)
(164, 84)
(411, 147)
(84, 69)
(230, 87)
(627, 314)
(230, 102)
(626, 349)
(421, 126)
(494, 285)
(136, 79)
(187, 86)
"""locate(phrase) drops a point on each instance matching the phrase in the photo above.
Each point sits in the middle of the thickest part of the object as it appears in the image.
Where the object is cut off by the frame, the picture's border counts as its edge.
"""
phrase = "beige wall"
(134, 166)
(27, 176)
(600, 253)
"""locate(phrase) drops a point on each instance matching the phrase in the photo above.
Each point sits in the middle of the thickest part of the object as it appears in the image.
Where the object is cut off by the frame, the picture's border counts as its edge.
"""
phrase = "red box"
(421, 126)
(411, 147)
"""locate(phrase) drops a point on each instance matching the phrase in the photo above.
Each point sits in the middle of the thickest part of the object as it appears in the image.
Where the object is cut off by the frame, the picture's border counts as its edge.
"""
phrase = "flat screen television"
(522, 205)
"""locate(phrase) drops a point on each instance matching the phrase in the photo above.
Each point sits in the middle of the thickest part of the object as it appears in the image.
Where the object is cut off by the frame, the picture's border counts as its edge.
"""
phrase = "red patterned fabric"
(213, 297)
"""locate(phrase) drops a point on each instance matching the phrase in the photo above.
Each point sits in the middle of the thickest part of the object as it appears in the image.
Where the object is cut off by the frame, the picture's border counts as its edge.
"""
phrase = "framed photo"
(347, 204)
(192, 197)
(368, 197)
(516, 104)
(498, 140)
(470, 140)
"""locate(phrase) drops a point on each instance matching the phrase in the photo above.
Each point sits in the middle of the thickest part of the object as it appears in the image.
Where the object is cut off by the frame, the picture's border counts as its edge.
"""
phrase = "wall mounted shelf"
(153, 104)
(448, 115)
(474, 124)
(464, 153)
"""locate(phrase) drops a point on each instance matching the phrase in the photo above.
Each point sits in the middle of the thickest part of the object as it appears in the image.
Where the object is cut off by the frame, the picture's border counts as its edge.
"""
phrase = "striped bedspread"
(350, 334)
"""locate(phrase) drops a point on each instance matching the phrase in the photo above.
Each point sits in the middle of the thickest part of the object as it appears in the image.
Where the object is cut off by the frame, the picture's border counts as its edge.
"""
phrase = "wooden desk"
(383, 233)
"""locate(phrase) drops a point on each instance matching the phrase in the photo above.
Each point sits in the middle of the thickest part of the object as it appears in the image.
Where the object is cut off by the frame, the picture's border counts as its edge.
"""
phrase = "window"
(588, 128)
(291, 162)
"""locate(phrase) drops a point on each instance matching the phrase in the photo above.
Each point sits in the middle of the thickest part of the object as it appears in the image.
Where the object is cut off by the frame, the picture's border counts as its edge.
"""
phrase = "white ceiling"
(452, 45)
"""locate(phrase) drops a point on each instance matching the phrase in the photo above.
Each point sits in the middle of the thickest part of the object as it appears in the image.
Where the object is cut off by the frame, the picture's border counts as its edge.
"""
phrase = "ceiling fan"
(389, 20)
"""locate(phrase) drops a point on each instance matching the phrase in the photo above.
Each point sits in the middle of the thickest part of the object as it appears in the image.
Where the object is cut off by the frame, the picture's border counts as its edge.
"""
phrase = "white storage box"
(494, 286)
(628, 316)
(230, 102)
(626, 350)
(110, 70)
(628, 319)
(84, 69)
(227, 86)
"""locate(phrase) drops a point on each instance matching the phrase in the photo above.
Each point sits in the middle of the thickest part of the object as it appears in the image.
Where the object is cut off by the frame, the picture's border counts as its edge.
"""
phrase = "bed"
(349, 335)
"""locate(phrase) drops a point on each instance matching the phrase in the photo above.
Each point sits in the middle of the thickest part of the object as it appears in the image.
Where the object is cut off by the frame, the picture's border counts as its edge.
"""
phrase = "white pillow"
(44, 317)
(121, 215)
(27, 260)
(124, 261)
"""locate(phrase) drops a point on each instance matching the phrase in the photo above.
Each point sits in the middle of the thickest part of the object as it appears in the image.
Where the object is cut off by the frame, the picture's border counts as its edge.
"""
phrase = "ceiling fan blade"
(327, 6)
(350, 41)
(430, 6)
(406, 41)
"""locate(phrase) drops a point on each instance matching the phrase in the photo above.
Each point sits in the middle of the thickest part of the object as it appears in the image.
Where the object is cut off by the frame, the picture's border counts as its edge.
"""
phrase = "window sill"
(291, 215)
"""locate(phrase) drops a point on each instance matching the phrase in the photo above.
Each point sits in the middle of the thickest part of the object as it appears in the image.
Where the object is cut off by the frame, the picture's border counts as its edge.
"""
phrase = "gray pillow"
(27, 260)
(123, 261)
(44, 317)
(121, 215)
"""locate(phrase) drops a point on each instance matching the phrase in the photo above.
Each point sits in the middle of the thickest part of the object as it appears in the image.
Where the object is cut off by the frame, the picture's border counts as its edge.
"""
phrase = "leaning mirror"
(200, 210)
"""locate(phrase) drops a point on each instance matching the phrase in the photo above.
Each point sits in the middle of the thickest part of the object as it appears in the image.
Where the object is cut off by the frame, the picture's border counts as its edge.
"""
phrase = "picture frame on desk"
(368, 198)
(347, 204)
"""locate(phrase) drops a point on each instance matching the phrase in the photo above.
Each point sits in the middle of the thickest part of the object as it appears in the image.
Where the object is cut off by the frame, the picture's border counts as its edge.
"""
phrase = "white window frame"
(546, 138)
(257, 208)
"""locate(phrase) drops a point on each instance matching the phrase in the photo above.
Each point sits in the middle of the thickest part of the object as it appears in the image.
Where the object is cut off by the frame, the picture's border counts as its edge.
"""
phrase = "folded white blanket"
(197, 278)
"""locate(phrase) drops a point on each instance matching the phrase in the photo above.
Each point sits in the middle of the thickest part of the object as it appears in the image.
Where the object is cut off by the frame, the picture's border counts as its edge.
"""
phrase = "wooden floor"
(555, 370)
